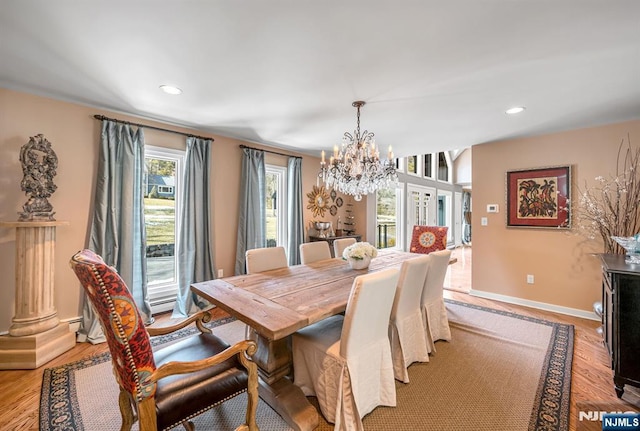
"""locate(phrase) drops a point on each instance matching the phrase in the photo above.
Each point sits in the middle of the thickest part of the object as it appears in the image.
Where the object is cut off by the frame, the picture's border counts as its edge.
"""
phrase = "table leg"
(274, 360)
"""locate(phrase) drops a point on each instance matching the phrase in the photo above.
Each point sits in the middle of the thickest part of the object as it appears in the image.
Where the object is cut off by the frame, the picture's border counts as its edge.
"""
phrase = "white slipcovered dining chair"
(345, 361)
(434, 311)
(314, 251)
(340, 244)
(260, 260)
(406, 326)
(265, 259)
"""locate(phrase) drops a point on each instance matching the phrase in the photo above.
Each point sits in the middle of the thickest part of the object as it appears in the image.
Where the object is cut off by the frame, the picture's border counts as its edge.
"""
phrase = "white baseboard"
(535, 304)
(74, 323)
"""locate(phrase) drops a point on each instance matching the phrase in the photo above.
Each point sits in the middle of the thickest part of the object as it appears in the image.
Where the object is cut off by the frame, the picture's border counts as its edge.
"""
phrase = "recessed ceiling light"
(515, 110)
(170, 89)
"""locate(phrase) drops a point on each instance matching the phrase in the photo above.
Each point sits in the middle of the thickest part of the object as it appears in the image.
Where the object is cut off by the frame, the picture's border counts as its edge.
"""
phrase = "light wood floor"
(591, 375)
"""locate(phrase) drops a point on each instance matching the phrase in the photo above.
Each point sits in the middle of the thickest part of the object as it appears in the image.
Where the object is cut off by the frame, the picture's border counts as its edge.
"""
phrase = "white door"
(421, 208)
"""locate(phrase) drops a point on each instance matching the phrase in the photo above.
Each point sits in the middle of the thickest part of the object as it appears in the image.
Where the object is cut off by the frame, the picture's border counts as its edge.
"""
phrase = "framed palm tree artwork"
(539, 197)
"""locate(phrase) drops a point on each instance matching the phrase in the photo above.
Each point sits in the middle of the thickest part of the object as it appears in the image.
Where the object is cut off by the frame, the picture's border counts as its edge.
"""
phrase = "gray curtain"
(117, 228)
(252, 209)
(195, 260)
(294, 209)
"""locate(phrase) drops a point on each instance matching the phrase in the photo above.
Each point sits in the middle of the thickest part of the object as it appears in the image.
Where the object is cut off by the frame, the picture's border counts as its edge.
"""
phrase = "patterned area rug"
(501, 371)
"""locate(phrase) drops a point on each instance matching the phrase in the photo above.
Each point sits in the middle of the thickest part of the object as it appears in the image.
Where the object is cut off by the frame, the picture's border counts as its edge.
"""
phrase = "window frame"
(399, 216)
(447, 158)
(430, 175)
(162, 296)
(372, 214)
(281, 203)
(418, 166)
(399, 163)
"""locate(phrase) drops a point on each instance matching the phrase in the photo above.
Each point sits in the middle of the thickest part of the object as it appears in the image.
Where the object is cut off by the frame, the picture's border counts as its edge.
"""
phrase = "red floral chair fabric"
(128, 339)
(426, 239)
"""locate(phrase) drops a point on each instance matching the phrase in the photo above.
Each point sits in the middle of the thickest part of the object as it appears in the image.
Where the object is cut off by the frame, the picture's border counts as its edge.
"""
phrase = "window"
(412, 165)
(387, 211)
(276, 198)
(428, 165)
(444, 171)
(400, 164)
(162, 176)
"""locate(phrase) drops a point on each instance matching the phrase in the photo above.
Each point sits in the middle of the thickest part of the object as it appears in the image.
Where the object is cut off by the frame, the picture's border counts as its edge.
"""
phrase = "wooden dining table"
(277, 303)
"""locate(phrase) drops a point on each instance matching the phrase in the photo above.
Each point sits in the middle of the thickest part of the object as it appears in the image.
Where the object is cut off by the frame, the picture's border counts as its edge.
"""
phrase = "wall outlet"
(484, 221)
(529, 279)
(220, 273)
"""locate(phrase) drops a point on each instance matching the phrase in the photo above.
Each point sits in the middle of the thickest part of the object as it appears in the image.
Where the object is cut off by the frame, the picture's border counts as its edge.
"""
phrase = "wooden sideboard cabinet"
(621, 319)
(331, 239)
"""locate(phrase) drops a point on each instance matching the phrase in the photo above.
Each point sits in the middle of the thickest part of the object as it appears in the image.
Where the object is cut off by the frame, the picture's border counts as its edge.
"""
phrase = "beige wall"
(74, 135)
(566, 274)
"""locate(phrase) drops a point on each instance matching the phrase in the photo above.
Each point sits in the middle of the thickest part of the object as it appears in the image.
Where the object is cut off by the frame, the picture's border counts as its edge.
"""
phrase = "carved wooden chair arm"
(244, 349)
(247, 347)
(200, 318)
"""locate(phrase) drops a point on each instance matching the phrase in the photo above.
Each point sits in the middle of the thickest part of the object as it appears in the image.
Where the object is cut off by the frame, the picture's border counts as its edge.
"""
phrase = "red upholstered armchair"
(426, 239)
(172, 385)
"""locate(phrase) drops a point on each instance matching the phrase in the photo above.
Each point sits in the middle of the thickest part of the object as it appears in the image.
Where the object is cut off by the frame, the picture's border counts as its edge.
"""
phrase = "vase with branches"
(611, 207)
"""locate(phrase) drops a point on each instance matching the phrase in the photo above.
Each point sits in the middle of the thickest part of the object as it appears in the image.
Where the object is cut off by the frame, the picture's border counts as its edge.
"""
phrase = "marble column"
(36, 335)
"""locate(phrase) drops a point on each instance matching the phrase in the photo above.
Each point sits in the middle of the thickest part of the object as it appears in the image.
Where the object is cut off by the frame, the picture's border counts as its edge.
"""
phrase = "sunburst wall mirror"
(318, 201)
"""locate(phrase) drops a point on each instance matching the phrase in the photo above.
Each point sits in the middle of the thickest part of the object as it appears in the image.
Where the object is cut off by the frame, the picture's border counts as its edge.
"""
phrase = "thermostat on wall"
(492, 208)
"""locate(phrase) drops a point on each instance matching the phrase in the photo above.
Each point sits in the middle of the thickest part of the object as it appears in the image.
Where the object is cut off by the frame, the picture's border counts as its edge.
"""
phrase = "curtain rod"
(268, 151)
(102, 117)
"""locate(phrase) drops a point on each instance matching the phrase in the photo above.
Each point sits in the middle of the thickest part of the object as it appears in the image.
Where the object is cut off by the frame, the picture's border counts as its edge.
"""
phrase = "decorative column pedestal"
(36, 335)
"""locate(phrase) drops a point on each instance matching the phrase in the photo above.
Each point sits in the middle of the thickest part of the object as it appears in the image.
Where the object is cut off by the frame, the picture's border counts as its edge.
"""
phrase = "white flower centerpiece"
(359, 255)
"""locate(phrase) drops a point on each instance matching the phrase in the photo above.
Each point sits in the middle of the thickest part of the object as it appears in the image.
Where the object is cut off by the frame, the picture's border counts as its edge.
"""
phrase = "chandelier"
(356, 168)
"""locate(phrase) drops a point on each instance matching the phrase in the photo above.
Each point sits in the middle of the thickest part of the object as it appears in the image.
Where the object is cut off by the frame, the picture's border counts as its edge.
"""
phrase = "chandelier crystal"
(356, 169)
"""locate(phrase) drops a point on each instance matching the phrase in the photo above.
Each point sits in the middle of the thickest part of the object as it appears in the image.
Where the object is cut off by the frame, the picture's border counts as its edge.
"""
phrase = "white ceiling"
(436, 75)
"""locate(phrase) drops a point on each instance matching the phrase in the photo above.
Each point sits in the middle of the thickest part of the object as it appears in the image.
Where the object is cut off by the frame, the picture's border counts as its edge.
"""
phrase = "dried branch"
(610, 208)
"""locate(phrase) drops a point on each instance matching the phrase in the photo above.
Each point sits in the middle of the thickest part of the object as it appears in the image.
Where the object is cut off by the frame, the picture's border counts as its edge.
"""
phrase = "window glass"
(428, 165)
(163, 170)
(276, 197)
(412, 165)
(387, 211)
(443, 167)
